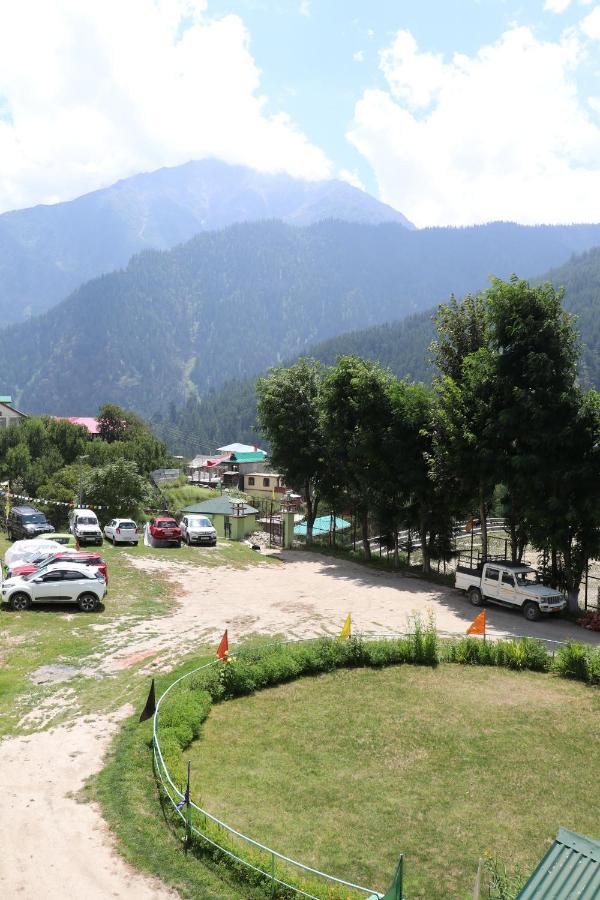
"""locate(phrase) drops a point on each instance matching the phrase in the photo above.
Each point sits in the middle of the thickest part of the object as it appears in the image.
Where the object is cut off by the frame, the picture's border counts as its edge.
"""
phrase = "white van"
(84, 526)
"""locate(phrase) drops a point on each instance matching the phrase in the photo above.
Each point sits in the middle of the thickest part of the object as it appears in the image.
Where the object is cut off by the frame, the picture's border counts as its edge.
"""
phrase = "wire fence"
(270, 867)
(267, 864)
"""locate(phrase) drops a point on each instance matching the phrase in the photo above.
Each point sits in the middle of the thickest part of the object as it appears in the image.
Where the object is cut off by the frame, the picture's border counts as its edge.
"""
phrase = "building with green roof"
(570, 869)
(233, 519)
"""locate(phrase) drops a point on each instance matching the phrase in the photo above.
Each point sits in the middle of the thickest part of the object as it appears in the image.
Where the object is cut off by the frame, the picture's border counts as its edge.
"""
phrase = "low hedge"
(257, 666)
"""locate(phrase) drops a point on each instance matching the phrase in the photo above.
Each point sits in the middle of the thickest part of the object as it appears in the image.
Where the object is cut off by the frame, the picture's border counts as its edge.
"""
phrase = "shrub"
(526, 653)
(579, 661)
(183, 715)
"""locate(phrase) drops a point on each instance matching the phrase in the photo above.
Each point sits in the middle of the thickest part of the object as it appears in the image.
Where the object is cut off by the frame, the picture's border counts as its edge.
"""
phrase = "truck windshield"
(86, 520)
(37, 519)
(525, 578)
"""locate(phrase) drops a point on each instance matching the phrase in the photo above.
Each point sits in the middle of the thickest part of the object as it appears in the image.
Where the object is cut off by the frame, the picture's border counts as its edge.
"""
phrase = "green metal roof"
(6, 398)
(570, 869)
(221, 506)
(259, 456)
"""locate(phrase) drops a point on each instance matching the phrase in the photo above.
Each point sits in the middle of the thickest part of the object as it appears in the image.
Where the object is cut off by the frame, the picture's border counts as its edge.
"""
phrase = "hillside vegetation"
(230, 303)
(48, 251)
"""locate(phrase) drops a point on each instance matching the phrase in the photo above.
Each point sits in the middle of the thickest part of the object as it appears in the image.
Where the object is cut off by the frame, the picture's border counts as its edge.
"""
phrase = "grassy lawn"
(347, 770)
(62, 635)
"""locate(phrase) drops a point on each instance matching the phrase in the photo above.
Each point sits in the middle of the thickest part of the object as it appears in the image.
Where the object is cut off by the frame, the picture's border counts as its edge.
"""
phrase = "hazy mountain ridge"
(228, 304)
(48, 251)
(399, 346)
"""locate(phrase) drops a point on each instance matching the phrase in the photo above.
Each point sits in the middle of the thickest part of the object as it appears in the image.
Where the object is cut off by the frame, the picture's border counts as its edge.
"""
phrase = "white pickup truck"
(509, 584)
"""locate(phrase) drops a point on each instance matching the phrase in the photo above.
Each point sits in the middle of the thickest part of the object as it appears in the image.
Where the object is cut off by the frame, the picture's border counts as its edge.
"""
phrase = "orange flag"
(223, 647)
(477, 626)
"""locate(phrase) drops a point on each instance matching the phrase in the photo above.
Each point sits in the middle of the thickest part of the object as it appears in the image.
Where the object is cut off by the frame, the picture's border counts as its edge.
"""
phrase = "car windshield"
(525, 578)
(86, 520)
(200, 522)
(37, 519)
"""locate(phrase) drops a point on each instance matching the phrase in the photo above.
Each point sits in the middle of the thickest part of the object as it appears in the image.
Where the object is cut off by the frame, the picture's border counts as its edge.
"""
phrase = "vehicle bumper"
(545, 608)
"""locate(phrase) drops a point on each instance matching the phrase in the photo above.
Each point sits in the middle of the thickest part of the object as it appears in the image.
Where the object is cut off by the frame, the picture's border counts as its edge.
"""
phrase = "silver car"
(121, 531)
(197, 529)
(63, 582)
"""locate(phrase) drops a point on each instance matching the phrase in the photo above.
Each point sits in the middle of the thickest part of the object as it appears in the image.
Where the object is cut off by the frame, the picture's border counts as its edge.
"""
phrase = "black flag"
(150, 707)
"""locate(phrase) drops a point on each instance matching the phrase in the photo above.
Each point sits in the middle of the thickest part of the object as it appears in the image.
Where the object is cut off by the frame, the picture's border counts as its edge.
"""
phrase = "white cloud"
(91, 92)
(557, 6)
(591, 24)
(352, 178)
(359, 56)
(498, 135)
(305, 7)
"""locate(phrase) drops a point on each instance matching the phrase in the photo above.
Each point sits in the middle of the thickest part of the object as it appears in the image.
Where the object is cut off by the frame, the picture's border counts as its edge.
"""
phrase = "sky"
(454, 112)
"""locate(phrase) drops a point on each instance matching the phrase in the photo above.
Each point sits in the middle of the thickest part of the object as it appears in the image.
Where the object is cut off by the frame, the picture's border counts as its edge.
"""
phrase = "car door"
(48, 587)
(183, 525)
(75, 583)
(508, 591)
(109, 529)
(491, 583)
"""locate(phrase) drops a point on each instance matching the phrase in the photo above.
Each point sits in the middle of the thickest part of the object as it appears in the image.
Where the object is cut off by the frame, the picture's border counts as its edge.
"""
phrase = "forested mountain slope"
(48, 251)
(228, 304)
(230, 413)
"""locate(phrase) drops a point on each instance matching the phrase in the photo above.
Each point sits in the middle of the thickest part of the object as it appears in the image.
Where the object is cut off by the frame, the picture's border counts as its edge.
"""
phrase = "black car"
(27, 522)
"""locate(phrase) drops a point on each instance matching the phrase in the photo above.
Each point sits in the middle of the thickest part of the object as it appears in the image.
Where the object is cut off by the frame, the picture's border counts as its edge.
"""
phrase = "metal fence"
(198, 821)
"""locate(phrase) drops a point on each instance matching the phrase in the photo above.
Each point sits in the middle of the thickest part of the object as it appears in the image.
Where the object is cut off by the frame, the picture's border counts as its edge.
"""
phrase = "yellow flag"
(346, 631)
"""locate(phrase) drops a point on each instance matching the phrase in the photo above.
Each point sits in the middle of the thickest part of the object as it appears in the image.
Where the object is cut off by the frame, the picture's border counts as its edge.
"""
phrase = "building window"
(250, 480)
(266, 482)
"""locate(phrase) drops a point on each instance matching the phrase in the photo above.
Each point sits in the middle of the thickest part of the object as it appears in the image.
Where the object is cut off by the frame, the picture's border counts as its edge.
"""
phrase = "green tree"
(118, 488)
(288, 410)
(356, 421)
(118, 424)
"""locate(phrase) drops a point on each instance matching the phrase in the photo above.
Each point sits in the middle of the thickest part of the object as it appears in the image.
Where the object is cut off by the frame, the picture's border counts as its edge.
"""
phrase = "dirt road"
(49, 838)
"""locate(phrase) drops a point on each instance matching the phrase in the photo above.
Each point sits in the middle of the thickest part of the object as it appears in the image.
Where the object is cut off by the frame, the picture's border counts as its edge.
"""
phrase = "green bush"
(579, 661)
(526, 653)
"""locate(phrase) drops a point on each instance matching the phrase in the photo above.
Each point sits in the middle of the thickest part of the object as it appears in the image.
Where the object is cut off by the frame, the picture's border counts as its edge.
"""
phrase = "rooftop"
(87, 422)
(570, 868)
(222, 506)
(238, 448)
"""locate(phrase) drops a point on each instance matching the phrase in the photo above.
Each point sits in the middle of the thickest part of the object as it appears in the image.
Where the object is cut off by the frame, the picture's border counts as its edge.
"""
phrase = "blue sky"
(453, 112)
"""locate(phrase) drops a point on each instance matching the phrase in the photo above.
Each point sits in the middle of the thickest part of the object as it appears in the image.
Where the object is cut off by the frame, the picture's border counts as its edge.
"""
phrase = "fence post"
(272, 874)
(188, 812)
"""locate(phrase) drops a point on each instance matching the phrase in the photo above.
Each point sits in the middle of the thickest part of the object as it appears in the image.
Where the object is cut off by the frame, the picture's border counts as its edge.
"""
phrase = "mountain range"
(46, 252)
(227, 304)
(202, 424)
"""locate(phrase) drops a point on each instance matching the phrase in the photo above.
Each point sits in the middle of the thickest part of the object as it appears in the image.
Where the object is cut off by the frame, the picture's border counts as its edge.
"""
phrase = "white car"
(63, 582)
(197, 529)
(121, 531)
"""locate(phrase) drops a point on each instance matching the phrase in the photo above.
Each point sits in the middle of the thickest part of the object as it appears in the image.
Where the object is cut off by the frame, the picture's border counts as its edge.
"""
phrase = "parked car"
(64, 582)
(81, 557)
(26, 550)
(509, 584)
(196, 529)
(84, 526)
(121, 531)
(26, 522)
(64, 538)
(165, 528)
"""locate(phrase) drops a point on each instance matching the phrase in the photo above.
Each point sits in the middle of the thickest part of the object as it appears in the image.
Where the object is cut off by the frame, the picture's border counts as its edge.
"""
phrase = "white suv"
(197, 529)
(63, 582)
(121, 531)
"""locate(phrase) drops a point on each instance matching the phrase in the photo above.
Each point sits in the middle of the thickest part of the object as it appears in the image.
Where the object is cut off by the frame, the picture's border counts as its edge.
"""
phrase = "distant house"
(8, 414)
(232, 518)
(263, 485)
(239, 448)
(90, 424)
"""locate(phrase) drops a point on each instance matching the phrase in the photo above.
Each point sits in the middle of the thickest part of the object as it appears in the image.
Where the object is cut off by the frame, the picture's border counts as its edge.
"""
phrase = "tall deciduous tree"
(118, 488)
(357, 418)
(289, 415)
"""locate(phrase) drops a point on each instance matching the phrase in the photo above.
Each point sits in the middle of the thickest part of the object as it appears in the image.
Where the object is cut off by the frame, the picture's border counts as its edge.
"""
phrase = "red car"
(165, 528)
(86, 558)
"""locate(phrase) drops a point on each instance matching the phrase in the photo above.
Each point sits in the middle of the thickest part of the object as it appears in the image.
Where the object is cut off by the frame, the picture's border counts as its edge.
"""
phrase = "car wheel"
(19, 602)
(531, 611)
(475, 596)
(87, 602)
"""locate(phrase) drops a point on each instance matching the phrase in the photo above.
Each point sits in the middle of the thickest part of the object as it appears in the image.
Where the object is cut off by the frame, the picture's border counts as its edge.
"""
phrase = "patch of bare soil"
(52, 846)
